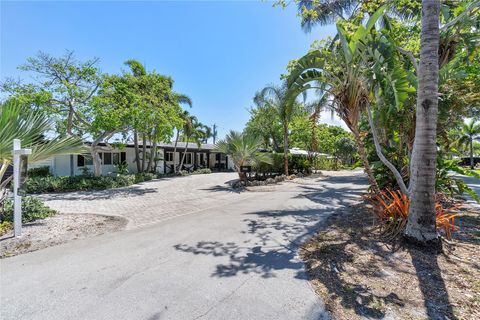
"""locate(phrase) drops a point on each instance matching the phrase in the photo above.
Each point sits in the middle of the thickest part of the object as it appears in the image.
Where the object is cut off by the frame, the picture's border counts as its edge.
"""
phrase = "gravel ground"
(58, 229)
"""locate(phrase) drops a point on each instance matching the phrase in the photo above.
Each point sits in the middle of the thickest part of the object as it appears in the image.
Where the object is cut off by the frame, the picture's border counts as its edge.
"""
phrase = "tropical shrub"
(122, 168)
(39, 172)
(392, 209)
(324, 163)
(5, 226)
(243, 149)
(82, 183)
(32, 209)
(202, 171)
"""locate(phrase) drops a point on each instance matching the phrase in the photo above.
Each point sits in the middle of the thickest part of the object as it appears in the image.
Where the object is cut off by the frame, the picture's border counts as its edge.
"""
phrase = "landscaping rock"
(270, 181)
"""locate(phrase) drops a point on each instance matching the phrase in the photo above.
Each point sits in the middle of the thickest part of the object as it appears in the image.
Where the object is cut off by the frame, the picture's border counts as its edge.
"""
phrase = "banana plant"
(347, 84)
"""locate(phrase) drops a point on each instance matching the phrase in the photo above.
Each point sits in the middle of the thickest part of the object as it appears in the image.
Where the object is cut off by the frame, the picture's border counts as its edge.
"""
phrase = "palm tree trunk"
(137, 152)
(153, 154)
(421, 220)
(175, 152)
(285, 147)
(144, 151)
(314, 142)
(184, 154)
(366, 164)
(472, 165)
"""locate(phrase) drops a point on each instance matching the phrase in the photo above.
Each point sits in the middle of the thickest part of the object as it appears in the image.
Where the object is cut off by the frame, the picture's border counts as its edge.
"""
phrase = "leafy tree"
(63, 87)
(265, 122)
(345, 149)
(243, 149)
(155, 113)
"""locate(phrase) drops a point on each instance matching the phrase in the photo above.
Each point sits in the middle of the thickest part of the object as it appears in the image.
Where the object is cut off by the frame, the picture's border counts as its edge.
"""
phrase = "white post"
(17, 200)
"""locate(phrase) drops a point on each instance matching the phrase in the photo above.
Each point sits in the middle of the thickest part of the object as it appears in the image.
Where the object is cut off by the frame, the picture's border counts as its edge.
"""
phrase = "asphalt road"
(234, 261)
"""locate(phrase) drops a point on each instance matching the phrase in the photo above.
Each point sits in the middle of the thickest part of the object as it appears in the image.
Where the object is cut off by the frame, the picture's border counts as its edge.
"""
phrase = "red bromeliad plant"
(392, 207)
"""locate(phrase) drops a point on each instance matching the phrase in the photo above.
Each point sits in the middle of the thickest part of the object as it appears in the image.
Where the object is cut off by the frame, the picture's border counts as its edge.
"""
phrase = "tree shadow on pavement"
(273, 238)
(433, 288)
(330, 256)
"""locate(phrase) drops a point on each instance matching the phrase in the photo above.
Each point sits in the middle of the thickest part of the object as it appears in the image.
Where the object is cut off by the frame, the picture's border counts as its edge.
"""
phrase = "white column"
(17, 200)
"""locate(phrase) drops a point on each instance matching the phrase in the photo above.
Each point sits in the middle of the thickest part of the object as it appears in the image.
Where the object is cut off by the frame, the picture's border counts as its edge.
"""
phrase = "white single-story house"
(196, 157)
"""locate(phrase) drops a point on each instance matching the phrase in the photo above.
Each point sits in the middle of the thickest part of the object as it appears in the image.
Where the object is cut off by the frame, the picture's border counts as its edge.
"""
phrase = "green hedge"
(39, 172)
(77, 183)
(296, 163)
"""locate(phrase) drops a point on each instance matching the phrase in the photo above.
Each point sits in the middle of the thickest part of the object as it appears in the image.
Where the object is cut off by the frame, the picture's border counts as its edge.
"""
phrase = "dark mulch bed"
(359, 276)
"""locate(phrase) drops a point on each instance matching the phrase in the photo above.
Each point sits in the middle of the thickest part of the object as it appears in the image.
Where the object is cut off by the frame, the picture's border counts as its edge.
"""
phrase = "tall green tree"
(155, 113)
(338, 70)
(467, 135)
(277, 97)
(65, 85)
(265, 122)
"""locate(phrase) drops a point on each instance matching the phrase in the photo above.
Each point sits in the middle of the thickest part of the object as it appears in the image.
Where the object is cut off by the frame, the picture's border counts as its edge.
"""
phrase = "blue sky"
(218, 52)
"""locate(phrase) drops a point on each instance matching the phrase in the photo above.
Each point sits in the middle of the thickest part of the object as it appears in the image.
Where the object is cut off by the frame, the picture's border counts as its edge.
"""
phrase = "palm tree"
(421, 219)
(29, 125)
(243, 150)
(468, 133)
(193, 131)
(324, 12)
(277, 97)
(315, 107)
(184, 115)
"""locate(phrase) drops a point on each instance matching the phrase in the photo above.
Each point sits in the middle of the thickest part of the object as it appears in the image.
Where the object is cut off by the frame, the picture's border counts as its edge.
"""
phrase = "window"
(188, 158)
(107, 158)
(83, 161)
(169, 156)
(116, 158)
(80, 161)
(123, 157)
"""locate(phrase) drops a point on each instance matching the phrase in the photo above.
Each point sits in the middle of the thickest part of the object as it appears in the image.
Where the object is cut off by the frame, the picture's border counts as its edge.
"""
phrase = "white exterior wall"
(230, 164)
(60, 165)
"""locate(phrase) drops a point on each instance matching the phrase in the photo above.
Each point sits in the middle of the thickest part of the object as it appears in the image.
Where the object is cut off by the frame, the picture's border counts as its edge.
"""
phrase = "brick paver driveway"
(152, 201)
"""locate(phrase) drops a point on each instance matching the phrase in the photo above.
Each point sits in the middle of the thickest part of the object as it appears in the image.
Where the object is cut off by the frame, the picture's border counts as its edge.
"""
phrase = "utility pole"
(214, 133)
